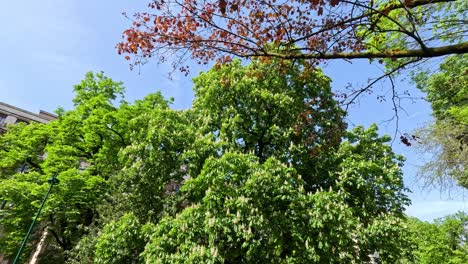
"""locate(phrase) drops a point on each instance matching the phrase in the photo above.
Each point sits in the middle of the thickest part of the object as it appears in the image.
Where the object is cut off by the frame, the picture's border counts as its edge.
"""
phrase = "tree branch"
(419, 53)
(118, 134)
(57, 239)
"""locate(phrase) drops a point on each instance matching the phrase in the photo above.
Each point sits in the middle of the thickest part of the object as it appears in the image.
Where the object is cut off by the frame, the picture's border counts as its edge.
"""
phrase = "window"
(2, 118)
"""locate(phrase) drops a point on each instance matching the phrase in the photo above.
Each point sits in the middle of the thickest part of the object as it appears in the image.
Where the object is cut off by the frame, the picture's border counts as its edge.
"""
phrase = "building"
(11, 114)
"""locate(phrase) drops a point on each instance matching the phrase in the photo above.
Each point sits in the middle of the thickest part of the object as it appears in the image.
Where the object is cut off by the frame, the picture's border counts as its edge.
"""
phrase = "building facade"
(11, 115)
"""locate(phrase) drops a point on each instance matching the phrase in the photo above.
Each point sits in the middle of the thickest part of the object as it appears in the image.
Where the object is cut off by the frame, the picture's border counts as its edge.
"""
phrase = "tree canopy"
(82, 146)
(260, 168)
(443, 241)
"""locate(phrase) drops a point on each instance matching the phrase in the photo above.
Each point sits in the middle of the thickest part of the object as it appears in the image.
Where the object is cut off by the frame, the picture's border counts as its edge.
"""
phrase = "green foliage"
(413, 28)
(98, 88)
(261, 169)
(278, 109)
(153, 163)
(443, 241)
(246, 211)
(447, 138)
(447, 89)
(371, 172)
(21, 148)
(120, 241)
(82, 145)
(448, 155)
(421, 27)
(264, 108)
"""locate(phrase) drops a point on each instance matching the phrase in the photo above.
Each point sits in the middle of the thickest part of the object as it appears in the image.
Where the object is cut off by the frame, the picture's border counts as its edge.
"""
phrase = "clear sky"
(47, 46)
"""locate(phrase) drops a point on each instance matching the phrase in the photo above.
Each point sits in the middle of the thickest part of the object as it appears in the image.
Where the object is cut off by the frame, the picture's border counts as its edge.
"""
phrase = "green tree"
(264, 175)
(261, 168)
(278, 109)
(82, 146)
(443, 241)
(447, 89)
(281, 185)
(244, 211)
(447, 137)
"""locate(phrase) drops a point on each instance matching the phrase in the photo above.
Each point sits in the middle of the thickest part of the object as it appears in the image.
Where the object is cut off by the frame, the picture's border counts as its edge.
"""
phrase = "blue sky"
(47, 46)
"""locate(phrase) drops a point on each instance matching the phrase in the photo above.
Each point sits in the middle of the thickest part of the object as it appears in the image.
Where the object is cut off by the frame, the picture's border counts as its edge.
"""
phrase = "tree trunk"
(39, 247)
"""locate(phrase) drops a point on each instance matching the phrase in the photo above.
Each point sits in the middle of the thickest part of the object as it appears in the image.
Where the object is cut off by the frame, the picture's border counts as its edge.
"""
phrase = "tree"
(443, 241)
(267, 176)
(245, 211)
(314, 30)
(260, 212)
(82, 146)
(447, 137)
(261, 168)
(279, 109)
